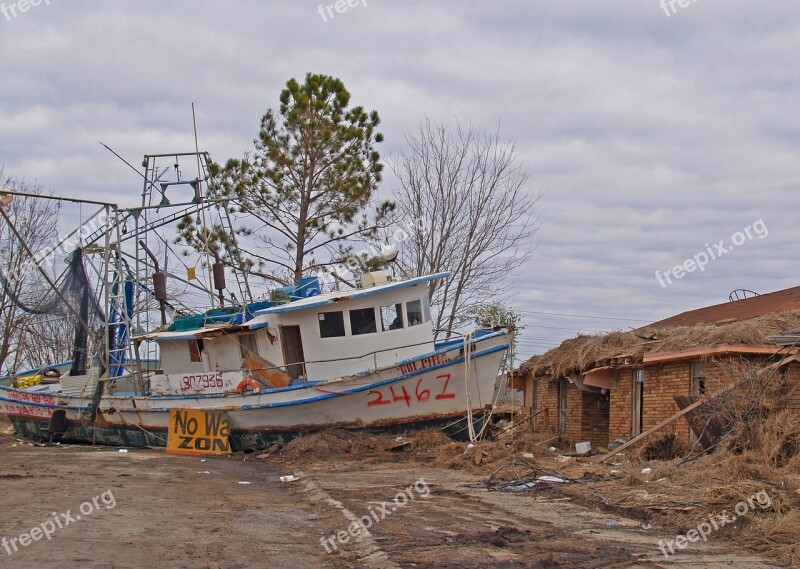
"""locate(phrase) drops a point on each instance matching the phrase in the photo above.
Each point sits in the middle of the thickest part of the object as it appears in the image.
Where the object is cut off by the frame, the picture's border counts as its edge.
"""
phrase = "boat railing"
(374, 355)
(451, 343)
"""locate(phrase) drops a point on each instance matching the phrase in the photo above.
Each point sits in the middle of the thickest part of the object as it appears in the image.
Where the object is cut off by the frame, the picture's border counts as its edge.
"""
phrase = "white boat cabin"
(322, 336)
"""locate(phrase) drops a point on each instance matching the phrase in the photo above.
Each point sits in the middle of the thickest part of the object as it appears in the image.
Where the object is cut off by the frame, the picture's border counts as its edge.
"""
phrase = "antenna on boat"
(131, 166)
(202, 210)
(389, 253)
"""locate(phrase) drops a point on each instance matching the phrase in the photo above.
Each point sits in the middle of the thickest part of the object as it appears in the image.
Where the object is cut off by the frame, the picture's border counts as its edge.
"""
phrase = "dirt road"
(144, 508)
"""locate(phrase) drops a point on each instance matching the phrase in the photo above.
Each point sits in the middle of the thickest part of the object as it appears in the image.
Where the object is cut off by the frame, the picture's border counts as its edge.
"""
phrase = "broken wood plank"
(651, 430)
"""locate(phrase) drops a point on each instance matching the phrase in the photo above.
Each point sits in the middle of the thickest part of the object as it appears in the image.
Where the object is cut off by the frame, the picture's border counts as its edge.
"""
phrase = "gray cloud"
(649, 135)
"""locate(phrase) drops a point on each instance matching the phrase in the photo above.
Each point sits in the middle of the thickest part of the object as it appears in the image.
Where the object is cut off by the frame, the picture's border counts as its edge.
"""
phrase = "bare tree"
(47, 340)
(33, 218)
(464, 196)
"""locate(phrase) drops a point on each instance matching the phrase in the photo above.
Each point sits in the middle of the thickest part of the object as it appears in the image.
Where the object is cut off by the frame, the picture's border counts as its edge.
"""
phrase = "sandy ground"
(175, 511)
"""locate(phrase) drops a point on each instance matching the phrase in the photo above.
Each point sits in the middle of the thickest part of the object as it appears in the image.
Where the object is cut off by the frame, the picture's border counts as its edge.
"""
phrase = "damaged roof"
(748, 322)
(744, 309)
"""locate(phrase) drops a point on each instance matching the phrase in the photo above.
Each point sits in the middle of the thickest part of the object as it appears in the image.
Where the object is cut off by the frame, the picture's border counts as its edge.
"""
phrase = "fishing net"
(74, 290)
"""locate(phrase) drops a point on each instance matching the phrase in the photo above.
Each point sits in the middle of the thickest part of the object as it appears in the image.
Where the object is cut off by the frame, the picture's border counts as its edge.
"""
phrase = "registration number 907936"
(201, 381)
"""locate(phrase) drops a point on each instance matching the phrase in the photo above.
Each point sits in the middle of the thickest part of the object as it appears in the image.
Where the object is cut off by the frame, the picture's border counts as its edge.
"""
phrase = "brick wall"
(661, 383)
(546, 407)
(574, 413)
(594, 418)
(603, 419)
(722, 372)
(587, 413)
(527, 397)
(791, 387)
(621, 405)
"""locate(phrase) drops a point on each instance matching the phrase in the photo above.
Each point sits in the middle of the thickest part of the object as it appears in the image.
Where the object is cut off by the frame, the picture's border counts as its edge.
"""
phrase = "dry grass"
(660, 446)
(761, 459)
(776, 536)
(581, 353)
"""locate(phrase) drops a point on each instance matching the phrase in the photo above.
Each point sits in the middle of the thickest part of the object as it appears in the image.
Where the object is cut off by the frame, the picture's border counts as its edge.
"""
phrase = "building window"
(414, 312)
(392, 317)
(196, 350)
(362, 321)
(331, 324)
(247, 344)
(698, 378)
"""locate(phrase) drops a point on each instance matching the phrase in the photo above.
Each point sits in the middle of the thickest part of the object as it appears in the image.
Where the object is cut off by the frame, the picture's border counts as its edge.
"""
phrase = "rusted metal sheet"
(263, 371)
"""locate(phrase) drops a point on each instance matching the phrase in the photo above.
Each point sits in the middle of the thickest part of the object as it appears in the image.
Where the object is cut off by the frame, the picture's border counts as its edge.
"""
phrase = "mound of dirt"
(483, 456)
(325, 444)
(341, 443)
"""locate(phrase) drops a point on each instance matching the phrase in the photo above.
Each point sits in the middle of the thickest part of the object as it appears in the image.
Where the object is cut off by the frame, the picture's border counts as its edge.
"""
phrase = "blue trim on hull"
(326, 396)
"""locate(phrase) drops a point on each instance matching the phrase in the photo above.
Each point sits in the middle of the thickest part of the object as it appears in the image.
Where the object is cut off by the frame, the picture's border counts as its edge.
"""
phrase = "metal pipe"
(56, 198)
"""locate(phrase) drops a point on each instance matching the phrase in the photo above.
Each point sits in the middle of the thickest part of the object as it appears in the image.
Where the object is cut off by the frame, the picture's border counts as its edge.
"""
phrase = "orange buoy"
(247, 386)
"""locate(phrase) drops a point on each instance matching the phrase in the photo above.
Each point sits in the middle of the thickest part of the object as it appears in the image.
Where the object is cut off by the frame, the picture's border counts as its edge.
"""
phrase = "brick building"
(604, 388)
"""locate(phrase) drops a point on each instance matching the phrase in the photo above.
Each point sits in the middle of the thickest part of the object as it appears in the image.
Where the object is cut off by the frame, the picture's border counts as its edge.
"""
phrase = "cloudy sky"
(651, 131)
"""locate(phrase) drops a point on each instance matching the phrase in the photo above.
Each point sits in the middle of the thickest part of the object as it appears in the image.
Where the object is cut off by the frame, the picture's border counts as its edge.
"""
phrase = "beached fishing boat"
(300, 361)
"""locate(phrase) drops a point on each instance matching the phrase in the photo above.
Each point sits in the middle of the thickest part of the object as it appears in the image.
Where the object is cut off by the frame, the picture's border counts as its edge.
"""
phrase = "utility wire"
(582, 316)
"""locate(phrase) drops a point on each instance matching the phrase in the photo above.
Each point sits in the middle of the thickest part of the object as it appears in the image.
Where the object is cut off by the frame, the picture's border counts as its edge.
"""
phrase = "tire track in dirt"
(449, 529)
(364, 545)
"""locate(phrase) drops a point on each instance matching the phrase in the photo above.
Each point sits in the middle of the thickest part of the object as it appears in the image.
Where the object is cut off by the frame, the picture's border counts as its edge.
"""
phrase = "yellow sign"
(192, 431)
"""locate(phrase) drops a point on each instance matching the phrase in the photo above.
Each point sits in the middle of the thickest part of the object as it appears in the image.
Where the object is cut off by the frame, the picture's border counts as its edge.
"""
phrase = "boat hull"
(434, 390)
(454, 426)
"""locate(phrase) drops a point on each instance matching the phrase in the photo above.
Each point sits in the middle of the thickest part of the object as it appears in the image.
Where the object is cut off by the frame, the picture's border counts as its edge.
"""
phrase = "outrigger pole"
(40, 269)
(81, 321)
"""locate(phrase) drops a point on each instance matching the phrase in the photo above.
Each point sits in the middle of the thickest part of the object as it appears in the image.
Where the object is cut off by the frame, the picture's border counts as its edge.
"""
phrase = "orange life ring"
(245, 383)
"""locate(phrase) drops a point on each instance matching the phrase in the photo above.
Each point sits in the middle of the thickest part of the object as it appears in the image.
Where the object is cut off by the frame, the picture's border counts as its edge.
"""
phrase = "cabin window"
(414, 312)
(392, 317)
(331, 324)
(426, 310)
(247, 344)
(362, 321)
(196, 350)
